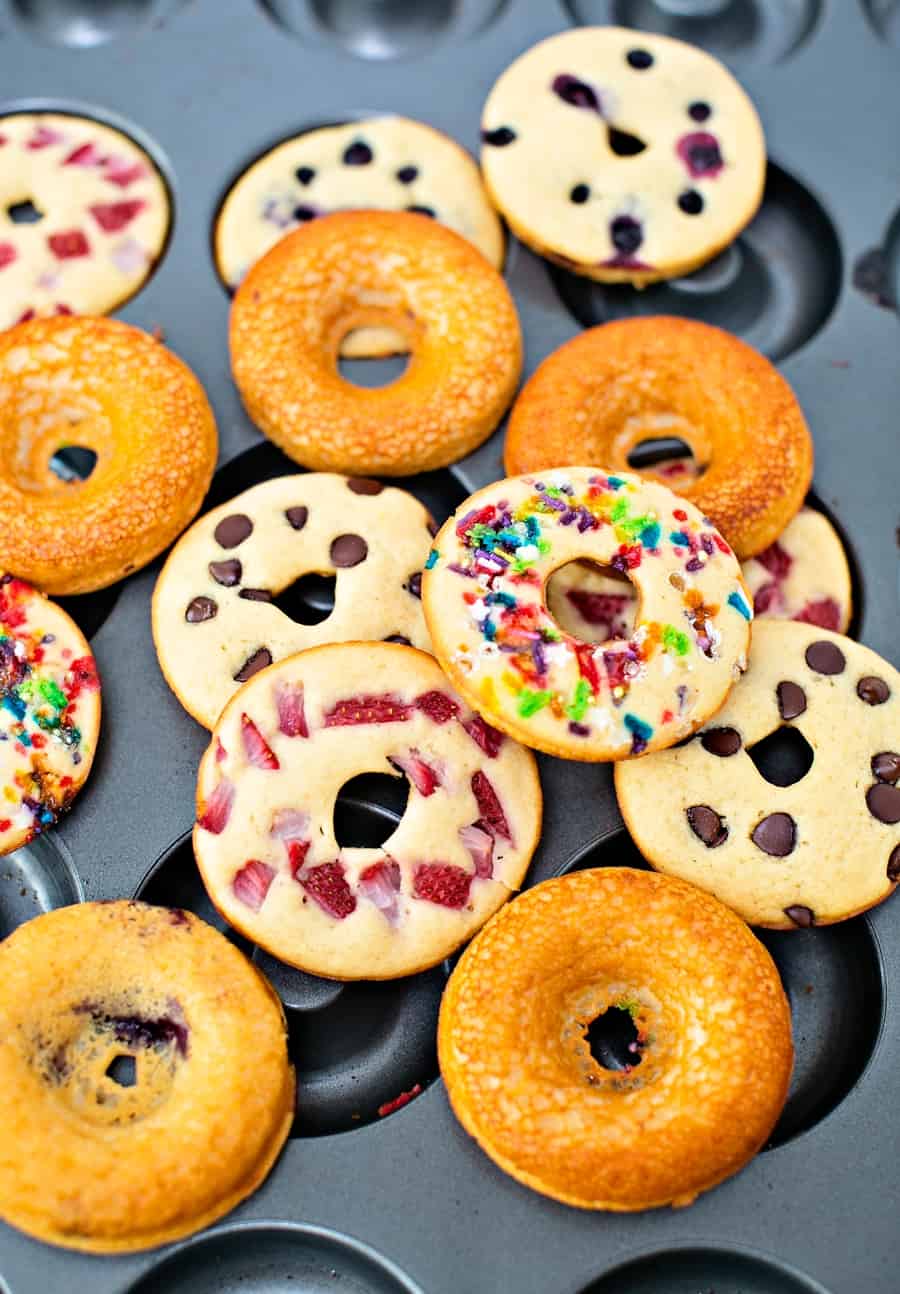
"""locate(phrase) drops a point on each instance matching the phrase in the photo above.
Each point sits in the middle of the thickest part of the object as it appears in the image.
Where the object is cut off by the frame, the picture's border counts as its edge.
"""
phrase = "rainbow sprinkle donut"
(484, 595)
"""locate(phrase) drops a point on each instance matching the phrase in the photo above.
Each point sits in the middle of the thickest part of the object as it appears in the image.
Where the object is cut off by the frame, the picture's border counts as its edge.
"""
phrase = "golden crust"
(709, 1008)
(375, 268)
(200, 1130)
(104, 385)
(609, 388)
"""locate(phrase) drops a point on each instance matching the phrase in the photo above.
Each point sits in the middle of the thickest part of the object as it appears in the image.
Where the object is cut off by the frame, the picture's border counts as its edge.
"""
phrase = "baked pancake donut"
(98, 992)
(265, 843)
(215, 622)
(817, 850)
(614, 387)
(358, 269)
(712, 1040)
(105, 386)
(484, 595)
(621, 155)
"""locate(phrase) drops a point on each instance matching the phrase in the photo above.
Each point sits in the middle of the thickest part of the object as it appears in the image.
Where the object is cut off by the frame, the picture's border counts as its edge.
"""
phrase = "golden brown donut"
(111, 388)
(713, 1040)
(615, 386)
(355, 269)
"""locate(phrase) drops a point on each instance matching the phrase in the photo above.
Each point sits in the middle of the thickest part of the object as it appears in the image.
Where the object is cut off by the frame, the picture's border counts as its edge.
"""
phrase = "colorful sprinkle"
(739, 603)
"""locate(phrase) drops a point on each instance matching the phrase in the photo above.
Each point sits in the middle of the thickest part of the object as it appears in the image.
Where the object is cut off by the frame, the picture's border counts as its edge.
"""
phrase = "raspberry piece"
(493, 819)
(380, 884)
(291, 714)
(442, 883)
(488, 738)
(251, 884)
(68, 245)
(399, 1101)
(776, 561)
(424, 777)
(766, 597)
(438, 706)
(480, 844)
(113, 216)
(8, 254)
(217, 811)
(825, 613)
(256, 748)
(368, 709)
(296, 852)
(327, 884)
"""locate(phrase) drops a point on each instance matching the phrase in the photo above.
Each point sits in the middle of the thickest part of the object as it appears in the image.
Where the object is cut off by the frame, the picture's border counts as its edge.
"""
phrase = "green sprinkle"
(53, 694)
(675, 641)
(620, 510)
(530, 702)
(543, 546)
(581, 699)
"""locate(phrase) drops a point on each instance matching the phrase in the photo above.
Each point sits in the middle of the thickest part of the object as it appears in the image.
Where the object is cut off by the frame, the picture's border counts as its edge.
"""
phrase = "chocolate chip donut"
(381, 163)
(620, 155)
(693, 1101)
(615, 387)
(358, 269)
(49, 712)
(265, 837)
(216, 621)
(485, 605)
(147, 1088)
(807, 853)
(84, 216)
(110, 388)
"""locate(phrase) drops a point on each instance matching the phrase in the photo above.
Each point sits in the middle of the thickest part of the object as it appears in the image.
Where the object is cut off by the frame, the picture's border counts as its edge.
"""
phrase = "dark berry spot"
(256, 595)
(700, 153)
(721, 741)
(233, 530)
(825, 657)
(883, 801)
(305, 174)
(699, 111)
(886, 766)
(872, 690)
(24, 213)
(893, 867)
(227, 573)
(349, 550)
(801, 916)
(575, 92)
(414, 584)
(579, 194)
(775, 834)
(358, 154)
(407, 174)
(791, 700)
(626, 234)
(297, 517)
(253, 664)
(500, 137)
(364, 485)
(623, 144)
(690, 202)
(200, 609)
(707, 825)
(303, 213)
(422, 211)
(639, 59)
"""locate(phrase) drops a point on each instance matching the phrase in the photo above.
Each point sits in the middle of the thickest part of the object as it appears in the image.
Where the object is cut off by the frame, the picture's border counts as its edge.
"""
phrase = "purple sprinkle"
(681, 693)
(493, 560)
(568, 517)
(505, 519)
(461, 570)
(638, 744)
(579, 729)
(707, 544)
(540, 659)
(588, 521)
(48, 638)
(556, 504)
(694, 564)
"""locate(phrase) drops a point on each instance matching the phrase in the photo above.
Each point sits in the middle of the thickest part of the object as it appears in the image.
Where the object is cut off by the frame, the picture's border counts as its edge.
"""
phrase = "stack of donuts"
(664, 619)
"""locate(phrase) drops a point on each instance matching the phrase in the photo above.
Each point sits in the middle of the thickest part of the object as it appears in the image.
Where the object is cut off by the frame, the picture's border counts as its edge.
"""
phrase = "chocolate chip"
(721, 741)
(256, 595)
(579, 194)
(253, 664)
(872, 690)
(707, 824)
(791, 700)
(775, 835)
(500, 137)
(200, 609)
(233, 530)
(305, 174)
(414, 584)
(227, 572)
(575, 92)
(358, 154)
(407, 174)
(297, 516)
(690, 202)
(349, 550)
(886, 766)
(699, 111)
(893, 867)
(363, 485)
(398, 638)
(422, 211)
(304, 213)
(825, 657)
(801, 916)
(639, 59)
(626, 234)
(884, 802)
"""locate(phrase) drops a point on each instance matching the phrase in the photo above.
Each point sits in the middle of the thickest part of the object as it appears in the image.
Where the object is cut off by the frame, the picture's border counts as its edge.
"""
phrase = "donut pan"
(401, 1200)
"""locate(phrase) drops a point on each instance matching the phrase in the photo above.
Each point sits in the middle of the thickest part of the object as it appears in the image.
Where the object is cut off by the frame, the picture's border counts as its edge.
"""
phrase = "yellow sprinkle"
(512, 682)
(489, 693)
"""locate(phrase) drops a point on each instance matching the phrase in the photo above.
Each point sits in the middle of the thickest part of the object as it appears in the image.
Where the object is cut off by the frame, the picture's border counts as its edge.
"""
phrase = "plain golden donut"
(356, 269)
(712, 1044)
(613, 387)
(111, 388)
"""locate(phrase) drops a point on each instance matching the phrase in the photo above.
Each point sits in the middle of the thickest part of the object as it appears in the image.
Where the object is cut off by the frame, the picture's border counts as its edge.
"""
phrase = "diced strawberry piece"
(380, 884)
(217, 811)
(598, 608)
(825, 613)
(43, 137)
(766, 597)
(399, 1101)
(256, 748)
(291, 714)
(69, 244)
(480, 844)
(296, 852)
(8, 254)
(442, 883)
(368, 709)
(221, 752)
(493, 819)
(424, 777)
(776, 561)
(5, 824)
(327, 884)
(251, 884)
(488, 738)
(289, 824)
(84, 155)
(113, 216)
(122, 171)
(438, 706)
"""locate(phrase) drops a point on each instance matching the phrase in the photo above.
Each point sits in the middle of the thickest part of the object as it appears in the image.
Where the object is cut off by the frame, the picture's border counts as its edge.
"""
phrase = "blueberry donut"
(380, 163)
(701, 1084)
(49, 712)
(84, 216)
(265, 841)
(783, 852)
(216, 619)
(147, 1087)
(620, 155)
(484, 594)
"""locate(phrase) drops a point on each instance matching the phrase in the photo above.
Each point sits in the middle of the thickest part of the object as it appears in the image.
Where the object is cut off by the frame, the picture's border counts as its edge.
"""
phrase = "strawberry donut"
(265, 842)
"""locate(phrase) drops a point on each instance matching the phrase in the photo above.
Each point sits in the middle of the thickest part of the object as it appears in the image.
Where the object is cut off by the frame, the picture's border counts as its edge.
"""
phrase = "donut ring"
(94, 1165)
(613, 387)
(214, 621)
(484, 593)
(264, 840)
(84, 217)
(49, 712)
(810, 853)
(111, 388)
(383, 163)
(358, 269)
(562, 156)
(706, 1003)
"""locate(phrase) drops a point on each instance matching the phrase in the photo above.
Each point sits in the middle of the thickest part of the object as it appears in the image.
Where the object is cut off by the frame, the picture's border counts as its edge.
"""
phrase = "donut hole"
(624, 144)
(784, 757)
(122, 1070)
(372, 372)
(309, 600)
(667, 458)
(368, 809)
(24, 213)
(592, 602)
(73, 463)
(614, 1040)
